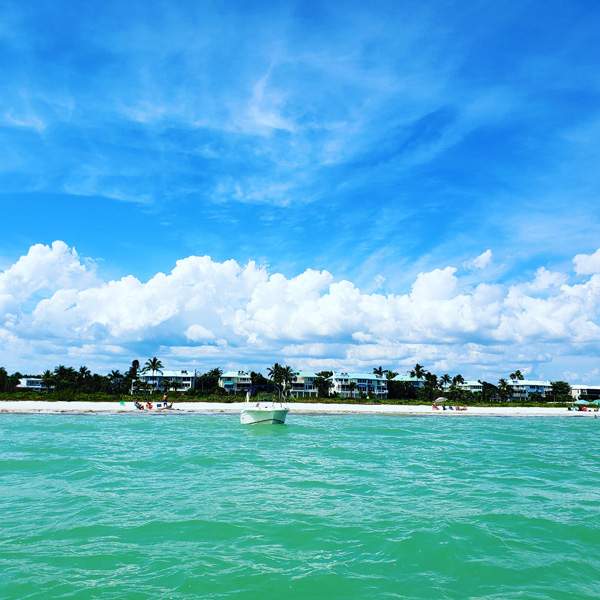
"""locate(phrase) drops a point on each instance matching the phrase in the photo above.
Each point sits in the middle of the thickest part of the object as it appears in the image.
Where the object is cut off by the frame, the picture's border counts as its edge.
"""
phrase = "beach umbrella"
(582, 401)
(441, 399)
(596, 402)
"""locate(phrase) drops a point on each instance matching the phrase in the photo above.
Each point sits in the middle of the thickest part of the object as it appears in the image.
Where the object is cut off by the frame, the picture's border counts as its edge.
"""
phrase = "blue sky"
(375, 141)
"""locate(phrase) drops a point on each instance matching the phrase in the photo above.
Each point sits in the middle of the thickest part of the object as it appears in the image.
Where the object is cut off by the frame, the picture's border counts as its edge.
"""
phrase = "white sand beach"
(58, 407)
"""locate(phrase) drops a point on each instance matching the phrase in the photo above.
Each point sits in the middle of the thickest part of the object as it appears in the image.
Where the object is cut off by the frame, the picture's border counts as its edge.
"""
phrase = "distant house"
(416, 382)
(367, 383)
(31, 383)
(520, 389)
(302, 385)
(585, 391)
(476, 387)
(235, 382)
(186, 379)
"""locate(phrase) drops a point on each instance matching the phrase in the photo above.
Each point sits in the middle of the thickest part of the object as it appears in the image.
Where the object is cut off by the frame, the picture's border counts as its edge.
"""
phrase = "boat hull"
(268, 416)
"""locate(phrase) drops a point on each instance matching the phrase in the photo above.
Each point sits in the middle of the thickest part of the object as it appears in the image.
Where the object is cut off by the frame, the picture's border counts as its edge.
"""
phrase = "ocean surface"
(137, 506)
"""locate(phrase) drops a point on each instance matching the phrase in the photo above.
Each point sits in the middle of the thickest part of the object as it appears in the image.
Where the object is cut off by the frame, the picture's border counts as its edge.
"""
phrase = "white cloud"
(479, 262)
(46, 268)
(586, 264)
(197, 333)
(205, 310)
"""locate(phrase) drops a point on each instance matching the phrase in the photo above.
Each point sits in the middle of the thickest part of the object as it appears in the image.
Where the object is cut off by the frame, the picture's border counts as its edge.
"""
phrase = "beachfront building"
(587, 392)
(475, 387)
(235, 382)
(350, 385)
(520, 389)
(183, 380)
(32, 383)
(416, 382)
(302, 385)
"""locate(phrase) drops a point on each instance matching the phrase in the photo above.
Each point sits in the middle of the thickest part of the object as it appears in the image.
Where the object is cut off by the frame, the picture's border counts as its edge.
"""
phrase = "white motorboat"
(264, 405)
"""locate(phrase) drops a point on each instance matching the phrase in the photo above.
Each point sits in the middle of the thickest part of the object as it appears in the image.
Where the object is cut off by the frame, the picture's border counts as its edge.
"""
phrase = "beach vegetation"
(352, 388)
(154, 365)
(503, 390)
(288, 376)
(70, 384)
(457, 380)
(418, 371)
(258, 379)
(208, 383)
(561, 391)
(323, 383)
(276, 373)
(48, 380)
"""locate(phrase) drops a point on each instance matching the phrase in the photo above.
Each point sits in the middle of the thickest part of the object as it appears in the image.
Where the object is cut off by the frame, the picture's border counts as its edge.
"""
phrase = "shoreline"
(62, 407)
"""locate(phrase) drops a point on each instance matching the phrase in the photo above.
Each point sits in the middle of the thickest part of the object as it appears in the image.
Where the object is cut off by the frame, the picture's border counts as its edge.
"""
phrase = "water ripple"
(126, 507)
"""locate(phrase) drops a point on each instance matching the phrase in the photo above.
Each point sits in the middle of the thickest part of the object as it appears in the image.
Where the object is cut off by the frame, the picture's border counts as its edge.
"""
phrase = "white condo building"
(520, 389)
(585, 391)
(235, 382)
(416, 382)
(32, 383)
(471, 385)
(302, 385)
(368, 383)
(185, 379)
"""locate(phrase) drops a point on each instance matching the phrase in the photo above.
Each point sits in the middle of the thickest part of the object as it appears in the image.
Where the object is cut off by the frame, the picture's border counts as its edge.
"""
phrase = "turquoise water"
(196, 506)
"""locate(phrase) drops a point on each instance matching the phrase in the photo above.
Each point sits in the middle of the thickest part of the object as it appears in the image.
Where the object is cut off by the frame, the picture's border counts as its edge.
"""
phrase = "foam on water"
(133, 506)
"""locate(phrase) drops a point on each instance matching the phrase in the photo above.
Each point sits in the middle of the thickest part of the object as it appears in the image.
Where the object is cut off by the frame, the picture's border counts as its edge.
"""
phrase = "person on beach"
(148, 404)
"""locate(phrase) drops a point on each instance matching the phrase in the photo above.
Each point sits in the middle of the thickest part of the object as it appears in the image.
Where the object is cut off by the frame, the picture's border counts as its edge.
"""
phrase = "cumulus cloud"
(479, 262)
(586, 264)
(205, 310)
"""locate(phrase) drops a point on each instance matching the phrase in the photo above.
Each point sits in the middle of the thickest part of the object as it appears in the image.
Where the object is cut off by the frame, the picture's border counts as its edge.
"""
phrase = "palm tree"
(378, 371)
(174, 385)
(48, 380)
(141, 385)
(352, 387)
(457, 380)
(116, 381)
(503, 389)
(83, 375)
(517, 375)
(288, 376)
(389, 375)
(64, 377)
(276, 374)
(445, 380)
(83, 372)
(418, 372)
(155, 366)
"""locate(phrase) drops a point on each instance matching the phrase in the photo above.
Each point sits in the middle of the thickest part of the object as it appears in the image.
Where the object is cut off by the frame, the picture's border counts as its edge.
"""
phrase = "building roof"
(351, 375)
(166, 373)
(305, 374)
(530, 382)
(236, 374)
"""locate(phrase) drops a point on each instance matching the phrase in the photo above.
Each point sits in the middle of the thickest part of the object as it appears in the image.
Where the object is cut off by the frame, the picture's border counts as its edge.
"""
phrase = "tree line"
(64, 380)
(434, 386)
